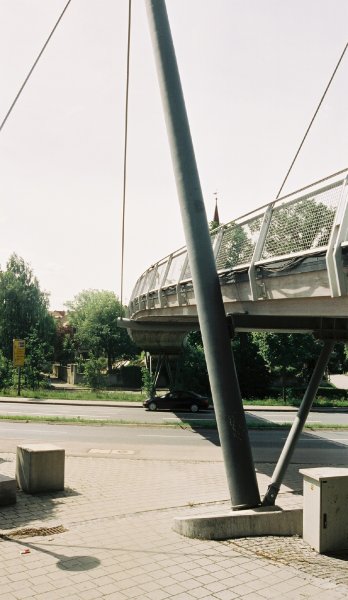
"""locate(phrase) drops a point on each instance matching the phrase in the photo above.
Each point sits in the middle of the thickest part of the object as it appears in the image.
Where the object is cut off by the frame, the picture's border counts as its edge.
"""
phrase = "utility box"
(325, 508)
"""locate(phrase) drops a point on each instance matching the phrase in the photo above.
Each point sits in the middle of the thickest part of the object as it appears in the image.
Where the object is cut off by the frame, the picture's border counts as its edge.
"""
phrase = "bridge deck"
(289, 258)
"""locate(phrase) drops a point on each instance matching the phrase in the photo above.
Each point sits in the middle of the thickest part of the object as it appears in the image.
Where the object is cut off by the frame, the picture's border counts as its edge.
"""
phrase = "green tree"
(24, 314)
(148, 382)
(253, 375)
(23, 306)
(38, 360)
(192, 369)
(289, 356)
(93, 368)
(93, 315)
(6, 372)
(64, 349)
(338, 362)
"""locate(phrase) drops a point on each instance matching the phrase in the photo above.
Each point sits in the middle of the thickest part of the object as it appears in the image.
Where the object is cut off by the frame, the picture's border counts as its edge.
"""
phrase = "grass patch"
(70, 420)
(117, 396)
(191, 424)
(135, 396)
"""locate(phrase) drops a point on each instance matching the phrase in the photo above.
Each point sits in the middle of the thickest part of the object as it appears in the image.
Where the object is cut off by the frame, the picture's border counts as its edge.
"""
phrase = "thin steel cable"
(125, 151)
(312, 121)
(33, 67)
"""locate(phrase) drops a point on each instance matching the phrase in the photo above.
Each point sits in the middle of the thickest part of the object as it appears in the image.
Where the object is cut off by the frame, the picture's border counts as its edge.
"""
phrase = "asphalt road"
(138, 414)
(319, 448)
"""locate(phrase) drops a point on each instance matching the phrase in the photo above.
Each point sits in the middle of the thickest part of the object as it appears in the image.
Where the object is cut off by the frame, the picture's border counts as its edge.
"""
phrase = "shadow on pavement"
(32, 507)
(66, 563)
(267, 441)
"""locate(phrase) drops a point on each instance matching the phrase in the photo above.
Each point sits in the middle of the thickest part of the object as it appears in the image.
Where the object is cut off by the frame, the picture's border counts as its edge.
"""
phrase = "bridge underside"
(296, 299)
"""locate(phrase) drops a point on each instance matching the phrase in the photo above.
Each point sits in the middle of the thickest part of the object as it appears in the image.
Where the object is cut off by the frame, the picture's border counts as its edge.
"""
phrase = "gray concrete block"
(265, 520)
(40, 468)
(8, 489)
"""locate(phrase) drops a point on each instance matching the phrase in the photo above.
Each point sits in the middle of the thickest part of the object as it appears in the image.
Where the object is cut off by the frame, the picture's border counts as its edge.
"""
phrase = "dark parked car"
(178, 400)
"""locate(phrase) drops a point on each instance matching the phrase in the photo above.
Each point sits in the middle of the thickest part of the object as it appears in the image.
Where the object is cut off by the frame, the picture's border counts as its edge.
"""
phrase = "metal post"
(298, 424)
(220, 363)
(19, 381)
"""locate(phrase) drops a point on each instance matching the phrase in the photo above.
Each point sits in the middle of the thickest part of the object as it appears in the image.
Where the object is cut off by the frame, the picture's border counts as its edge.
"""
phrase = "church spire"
(216, 212)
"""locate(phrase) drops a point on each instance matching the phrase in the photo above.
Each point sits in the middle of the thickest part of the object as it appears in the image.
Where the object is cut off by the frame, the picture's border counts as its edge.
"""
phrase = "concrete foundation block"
(8, 489)
(265, 520)
(40, 468)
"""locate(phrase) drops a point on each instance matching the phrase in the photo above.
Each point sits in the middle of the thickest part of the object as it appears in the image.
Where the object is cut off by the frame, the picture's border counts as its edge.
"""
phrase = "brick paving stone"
(157, 595)
(151, 586)
(91, 594)
(215, 587)
(252, 596)
(205, 579)
(199, 593)
(268, 593)
(5, 592)
(242, 590)
(23, 593)
(174, 590)
(226, 595)
(119, 540)
(133, 592)
(190, 584)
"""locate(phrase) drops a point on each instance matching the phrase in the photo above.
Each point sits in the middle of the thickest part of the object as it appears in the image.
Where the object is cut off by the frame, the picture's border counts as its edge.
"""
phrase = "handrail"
(283, 229)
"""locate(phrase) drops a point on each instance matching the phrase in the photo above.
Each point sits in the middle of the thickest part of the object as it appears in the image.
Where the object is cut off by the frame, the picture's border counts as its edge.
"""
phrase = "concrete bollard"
(40, 468)
(8, 489)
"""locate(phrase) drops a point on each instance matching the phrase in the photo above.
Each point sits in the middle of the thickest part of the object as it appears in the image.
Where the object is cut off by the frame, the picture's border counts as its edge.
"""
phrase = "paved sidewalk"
(109, 535)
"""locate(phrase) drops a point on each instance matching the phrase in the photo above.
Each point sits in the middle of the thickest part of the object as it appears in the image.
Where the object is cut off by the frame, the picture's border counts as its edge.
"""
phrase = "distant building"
(61, 318)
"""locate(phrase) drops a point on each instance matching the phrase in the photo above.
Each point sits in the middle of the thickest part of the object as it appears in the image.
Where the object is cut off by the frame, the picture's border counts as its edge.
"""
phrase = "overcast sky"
(252, 71)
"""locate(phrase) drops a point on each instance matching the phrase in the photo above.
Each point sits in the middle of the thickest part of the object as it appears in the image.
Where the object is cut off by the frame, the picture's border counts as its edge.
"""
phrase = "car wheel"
(194, 408)
(152, 406)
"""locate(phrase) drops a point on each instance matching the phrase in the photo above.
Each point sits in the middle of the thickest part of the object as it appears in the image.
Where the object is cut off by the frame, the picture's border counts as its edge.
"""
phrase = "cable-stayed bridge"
(282, 267)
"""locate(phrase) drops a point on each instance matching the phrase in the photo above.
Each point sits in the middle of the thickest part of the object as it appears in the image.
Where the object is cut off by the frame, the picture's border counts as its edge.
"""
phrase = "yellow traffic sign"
(18, 353)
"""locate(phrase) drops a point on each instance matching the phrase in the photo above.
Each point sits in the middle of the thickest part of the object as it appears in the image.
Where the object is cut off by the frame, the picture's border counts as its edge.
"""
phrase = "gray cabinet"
(325, 508)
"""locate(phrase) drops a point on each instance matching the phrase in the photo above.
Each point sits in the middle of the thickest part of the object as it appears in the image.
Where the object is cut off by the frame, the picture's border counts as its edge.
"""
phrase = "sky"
(253, 72)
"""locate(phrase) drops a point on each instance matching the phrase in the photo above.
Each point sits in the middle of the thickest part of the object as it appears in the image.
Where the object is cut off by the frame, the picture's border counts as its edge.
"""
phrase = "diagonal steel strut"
(298, 424)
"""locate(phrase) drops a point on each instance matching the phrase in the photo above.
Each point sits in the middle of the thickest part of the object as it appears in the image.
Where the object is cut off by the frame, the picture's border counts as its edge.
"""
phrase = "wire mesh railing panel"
(144, 283)
(175, 269)
(300, 222)
(238, 243)
(187, 274)
(301, 225)
(139, 285)
(157, 280)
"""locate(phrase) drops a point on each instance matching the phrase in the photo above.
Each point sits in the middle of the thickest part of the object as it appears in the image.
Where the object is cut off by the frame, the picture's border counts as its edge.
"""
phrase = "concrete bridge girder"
(159, 342)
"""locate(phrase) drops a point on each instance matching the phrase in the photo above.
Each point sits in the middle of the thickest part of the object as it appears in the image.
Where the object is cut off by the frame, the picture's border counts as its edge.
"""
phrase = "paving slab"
(109, 535)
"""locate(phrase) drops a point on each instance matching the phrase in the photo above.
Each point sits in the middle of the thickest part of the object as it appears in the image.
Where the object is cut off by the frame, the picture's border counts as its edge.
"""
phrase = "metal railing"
(310, 221)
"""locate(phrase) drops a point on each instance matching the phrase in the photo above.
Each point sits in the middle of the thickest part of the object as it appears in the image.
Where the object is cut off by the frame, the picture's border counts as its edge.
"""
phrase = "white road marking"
(186, 419)
(179, 437)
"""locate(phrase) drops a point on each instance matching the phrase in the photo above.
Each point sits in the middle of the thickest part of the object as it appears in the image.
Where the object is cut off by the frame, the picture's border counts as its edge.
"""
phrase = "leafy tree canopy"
(288, 354)
(23, 307)
(93, 314)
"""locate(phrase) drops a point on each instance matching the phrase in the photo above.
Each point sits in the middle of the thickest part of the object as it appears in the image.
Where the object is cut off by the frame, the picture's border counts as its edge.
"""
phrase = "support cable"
(312, 121)
(33, 67)
(125, 152)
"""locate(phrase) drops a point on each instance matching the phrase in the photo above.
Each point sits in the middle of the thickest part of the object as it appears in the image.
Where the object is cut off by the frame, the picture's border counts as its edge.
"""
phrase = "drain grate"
(33, 531)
